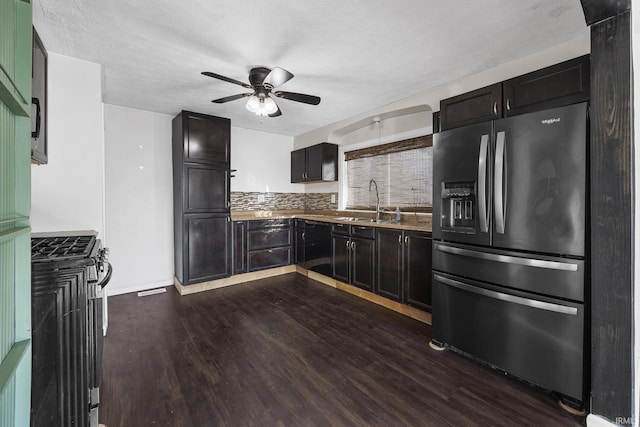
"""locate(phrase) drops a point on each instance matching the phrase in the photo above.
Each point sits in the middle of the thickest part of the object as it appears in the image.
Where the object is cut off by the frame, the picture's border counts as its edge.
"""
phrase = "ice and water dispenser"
(458, 206)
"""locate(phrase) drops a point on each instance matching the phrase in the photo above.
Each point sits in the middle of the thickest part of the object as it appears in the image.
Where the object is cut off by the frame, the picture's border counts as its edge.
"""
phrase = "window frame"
(370, 147)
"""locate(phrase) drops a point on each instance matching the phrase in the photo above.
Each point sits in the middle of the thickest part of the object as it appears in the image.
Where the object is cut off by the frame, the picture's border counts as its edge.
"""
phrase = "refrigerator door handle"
(482, 184)
(499, 183)
(542, 305)
(528, 262)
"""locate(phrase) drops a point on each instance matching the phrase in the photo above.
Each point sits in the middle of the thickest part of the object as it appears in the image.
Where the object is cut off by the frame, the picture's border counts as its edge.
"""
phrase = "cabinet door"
(389, 263)
(208, 247)
(340, 257)
(417, 269)
(478, 106)
(239, 247)
(363, 263)
(206, 189)
(299, 246)
(298, 165)
(314, 162)
(206, 138)
(561, 84)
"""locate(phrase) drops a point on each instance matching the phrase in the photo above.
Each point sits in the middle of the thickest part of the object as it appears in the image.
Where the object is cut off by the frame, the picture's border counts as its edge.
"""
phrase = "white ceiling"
(356, 55)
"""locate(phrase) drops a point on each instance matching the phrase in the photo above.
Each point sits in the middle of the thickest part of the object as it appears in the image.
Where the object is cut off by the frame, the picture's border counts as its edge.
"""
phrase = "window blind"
(402, 171)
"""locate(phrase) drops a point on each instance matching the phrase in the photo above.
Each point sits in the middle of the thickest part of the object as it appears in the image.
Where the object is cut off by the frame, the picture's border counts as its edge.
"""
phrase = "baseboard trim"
(407, 310)
(231, 280)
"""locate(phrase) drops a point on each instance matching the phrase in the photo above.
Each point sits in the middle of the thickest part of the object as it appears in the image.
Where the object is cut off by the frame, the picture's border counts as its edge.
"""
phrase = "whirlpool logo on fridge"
(550, 121)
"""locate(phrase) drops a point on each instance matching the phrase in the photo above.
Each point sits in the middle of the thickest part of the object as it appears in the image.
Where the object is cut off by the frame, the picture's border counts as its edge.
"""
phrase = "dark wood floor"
(288, 351)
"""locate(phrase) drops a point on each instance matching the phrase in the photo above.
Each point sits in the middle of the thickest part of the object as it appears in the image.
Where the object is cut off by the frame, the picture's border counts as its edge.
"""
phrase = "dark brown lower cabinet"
(206, 248)
(404, 266)
(269, 244)
(239, 247)
(340, 255)
(389, 259)
(417, 269)
(363, 262)
(353, 257)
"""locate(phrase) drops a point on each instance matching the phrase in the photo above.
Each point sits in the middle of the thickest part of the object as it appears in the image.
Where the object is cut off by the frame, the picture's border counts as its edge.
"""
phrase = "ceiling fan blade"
(278, 76)
(231, 98)
(276, 114)
(226, 79)
(300, 97)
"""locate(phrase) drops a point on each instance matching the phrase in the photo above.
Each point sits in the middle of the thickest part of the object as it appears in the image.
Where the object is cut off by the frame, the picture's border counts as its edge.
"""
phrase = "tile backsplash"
(253, 201)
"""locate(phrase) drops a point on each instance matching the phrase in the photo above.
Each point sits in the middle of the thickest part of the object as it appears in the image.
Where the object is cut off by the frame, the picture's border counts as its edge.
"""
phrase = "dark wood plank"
(288, 351)
(611, 218)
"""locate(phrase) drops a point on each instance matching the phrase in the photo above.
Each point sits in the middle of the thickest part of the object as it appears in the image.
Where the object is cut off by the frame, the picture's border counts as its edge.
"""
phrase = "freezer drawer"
(535, 338)
(554, 276)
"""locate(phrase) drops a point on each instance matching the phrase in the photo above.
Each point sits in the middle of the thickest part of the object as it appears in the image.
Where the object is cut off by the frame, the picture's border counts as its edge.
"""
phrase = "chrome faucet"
(373, 181)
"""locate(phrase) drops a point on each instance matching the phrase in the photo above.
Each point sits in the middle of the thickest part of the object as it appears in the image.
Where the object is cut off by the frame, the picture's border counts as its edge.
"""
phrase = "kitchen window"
(402, 171)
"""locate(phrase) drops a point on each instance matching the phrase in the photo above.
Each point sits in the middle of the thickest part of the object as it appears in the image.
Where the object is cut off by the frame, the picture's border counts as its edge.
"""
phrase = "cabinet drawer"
(268, 238)
(362, 231)
(269, 258)
(266, 223)
(340, 229)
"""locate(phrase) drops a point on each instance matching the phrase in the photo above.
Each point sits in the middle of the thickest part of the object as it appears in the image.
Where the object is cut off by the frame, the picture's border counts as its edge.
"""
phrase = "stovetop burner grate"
(61, 248)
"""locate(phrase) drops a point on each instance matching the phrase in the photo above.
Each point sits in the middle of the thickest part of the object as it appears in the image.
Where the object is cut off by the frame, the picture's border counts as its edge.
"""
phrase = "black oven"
(69, 273)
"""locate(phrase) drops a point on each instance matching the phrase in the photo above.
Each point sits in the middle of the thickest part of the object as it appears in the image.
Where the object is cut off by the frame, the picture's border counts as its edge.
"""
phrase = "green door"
(15, 204)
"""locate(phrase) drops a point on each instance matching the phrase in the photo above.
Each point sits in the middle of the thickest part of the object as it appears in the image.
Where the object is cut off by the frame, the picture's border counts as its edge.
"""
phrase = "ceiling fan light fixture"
(269, 106)
(253, 104)
(261, 105)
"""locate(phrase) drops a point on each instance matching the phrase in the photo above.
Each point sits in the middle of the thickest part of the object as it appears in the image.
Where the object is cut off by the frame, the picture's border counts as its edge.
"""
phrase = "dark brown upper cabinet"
(206, 138)
(477, 106)
(316, 163)
(561, 84)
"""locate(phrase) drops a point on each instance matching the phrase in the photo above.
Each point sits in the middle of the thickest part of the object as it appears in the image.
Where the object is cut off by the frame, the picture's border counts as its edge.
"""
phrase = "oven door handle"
(105, 281)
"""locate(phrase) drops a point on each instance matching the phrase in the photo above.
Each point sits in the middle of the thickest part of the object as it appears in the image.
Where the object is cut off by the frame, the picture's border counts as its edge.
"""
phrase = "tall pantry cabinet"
(201, 197)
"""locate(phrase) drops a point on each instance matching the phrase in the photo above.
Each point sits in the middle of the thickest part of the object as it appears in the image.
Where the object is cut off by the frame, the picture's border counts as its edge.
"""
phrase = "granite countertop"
(409, 221)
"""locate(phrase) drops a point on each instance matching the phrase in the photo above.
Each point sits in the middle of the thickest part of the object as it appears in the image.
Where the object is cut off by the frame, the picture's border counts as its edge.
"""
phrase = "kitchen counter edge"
(415, 223)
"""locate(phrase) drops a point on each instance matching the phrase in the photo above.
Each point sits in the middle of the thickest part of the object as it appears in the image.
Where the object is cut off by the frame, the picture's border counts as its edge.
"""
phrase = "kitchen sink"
(369, 220)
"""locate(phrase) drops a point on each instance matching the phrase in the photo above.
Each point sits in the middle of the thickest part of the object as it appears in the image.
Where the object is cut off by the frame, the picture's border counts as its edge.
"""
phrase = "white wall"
(139, 190)
(262, 161)
(139, 198)
(68, 192)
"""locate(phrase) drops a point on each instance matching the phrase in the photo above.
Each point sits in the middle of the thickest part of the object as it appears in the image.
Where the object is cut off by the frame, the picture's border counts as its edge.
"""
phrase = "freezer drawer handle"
(558, 308)
(529, 262)
(500, 183)
(482, 184)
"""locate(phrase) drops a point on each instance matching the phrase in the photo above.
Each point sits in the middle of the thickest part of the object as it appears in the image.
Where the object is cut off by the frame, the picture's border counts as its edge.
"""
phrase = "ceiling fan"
(262, 82)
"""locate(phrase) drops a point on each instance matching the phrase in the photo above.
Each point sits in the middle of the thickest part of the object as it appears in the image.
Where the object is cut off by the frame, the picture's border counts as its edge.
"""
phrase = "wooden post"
(612, 194)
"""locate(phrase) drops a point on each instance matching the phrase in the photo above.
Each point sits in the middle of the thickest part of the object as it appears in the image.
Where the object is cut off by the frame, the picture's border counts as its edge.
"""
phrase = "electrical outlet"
(260, 198)
(333, 198)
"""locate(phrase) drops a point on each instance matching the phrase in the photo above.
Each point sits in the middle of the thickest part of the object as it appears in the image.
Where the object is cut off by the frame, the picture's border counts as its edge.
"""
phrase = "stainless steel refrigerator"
(509, 229)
